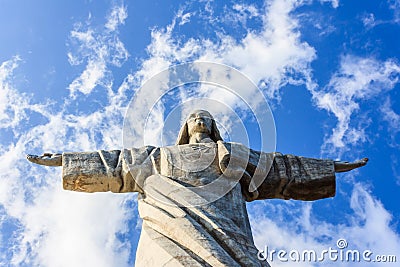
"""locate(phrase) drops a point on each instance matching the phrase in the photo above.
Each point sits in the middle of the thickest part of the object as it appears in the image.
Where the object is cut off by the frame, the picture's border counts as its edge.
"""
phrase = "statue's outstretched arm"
(47, 159)
(345, 166)
(295, 177)
(101, 171)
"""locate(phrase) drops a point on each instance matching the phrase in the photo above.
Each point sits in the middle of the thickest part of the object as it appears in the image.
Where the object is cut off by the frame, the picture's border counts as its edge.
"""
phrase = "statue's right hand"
(47, 159)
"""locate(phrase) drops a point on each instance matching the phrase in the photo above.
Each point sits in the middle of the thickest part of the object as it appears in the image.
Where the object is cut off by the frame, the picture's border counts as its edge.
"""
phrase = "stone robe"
(192, 198)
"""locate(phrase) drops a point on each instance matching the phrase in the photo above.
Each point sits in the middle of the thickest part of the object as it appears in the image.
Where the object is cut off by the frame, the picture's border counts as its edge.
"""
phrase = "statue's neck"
(200, 138)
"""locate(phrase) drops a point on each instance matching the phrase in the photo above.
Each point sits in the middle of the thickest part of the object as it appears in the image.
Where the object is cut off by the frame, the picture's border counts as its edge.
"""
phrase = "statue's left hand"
(47, 159)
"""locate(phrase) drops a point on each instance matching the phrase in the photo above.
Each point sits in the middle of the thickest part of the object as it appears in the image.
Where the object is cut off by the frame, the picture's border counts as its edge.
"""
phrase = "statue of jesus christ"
(192, 196)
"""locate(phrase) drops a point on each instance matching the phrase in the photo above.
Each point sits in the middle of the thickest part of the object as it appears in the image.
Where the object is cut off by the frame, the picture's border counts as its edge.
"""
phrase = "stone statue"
(210, 226)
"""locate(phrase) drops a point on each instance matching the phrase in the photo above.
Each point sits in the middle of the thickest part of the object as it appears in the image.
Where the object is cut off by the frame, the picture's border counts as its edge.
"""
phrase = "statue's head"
(198, 121)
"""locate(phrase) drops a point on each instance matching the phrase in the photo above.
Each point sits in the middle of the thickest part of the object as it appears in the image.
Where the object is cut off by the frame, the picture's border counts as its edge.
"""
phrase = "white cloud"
(369, 21)
(266, 55)
(87, 81)
(334, 3)
(395, 6)
(11, 103)
(392, 119)
(183, 17)
(358, 79)
(116, 18)
(269, 55)
(395, 165)
(99, 49)
(251, 10)
(393, 122)
(242, 13)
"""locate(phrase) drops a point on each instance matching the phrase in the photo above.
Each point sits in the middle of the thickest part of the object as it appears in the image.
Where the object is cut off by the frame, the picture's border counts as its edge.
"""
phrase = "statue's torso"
(220, 226)
(197, 165)
(192, 165)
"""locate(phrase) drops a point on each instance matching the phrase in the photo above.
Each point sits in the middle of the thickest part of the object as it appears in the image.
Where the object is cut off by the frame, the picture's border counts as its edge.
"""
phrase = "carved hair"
(183, 137)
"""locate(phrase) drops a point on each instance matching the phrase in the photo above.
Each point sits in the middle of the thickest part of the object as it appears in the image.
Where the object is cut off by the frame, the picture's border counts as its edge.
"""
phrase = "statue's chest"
(193, 164)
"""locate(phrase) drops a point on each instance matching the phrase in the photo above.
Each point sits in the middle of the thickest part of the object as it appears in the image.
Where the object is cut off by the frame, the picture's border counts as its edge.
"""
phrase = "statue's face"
(199, 121)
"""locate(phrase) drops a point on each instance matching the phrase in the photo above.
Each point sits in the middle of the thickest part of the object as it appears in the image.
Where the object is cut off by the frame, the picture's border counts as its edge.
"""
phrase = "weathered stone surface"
(92, 171)
(293, 177)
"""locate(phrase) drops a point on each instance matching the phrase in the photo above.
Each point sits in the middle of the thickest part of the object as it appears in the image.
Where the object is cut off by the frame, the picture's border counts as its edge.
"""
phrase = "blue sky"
(329, 70)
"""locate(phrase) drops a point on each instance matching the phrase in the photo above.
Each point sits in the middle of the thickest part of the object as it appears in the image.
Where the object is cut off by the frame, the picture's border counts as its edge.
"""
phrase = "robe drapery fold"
(184, 221)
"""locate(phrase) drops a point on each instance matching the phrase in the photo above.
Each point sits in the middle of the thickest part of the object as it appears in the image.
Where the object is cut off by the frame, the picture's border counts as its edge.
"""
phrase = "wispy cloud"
(10, 109)
(273, 54)
(183, 17)
(116, 18)
(98, 49)
(357, 80)
(395, 164)
(242, 14)
(268, 55)
(334, 3)
(369, 20)
(394, 5)
(393, 121)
